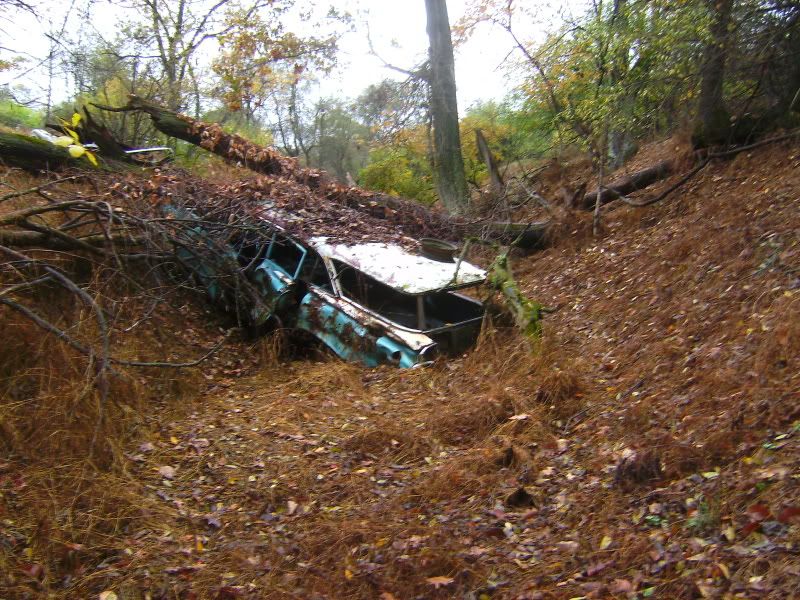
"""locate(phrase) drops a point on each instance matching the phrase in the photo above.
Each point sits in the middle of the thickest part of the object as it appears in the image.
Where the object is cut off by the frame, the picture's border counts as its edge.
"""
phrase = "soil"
(647, 447)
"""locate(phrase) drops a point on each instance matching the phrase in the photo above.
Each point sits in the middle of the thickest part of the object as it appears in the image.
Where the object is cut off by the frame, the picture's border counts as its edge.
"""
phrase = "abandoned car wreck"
(374, 302)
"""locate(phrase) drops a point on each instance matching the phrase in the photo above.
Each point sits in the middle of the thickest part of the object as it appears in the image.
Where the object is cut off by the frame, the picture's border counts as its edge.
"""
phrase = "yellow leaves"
(72, 143)
(63, 141)
(107, 595)
(76, 151)
(605, 542)
(730, 533)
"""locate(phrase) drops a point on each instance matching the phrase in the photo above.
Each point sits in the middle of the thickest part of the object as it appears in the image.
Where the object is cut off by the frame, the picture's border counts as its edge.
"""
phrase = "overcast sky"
(398, 33)
(397, 29)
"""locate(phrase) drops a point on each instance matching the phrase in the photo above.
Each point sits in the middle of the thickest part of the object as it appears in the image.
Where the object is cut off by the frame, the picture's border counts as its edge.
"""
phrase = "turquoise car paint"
(415, 316)
(348, 338)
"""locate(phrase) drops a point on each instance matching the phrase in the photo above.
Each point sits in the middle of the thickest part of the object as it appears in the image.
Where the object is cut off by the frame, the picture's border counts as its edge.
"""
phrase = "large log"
(629, 184)
(414, 218)
(528, 236)
(211, 137)
(33, 154)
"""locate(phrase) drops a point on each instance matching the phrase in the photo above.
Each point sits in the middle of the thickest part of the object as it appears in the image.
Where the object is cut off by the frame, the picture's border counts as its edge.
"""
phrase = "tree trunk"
(415, 219)
(491, 164)
(618, 139)
(597, 199)
(33, 154)
(630, 184)
(451, 181)
(713, 121)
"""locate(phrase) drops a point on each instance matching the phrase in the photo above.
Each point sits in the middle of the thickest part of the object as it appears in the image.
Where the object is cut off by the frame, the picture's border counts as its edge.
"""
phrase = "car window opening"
(250, 249)
(424, 312)
(286, 254)
(313, 271)
(444, 308)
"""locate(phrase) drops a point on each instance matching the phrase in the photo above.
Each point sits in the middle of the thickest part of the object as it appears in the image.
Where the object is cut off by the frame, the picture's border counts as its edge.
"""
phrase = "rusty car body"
(371, 302)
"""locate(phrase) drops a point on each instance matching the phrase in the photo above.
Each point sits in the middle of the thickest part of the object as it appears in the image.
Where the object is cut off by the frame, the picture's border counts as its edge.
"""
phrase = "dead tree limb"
(491, 164)
(211, 137)
(629, 184)
(73, 288)
(33, 154)
(668, 191)
(701, 165)
(38, 188)
(49, 240)
(637, 181)
(414, 218)
(87, 351)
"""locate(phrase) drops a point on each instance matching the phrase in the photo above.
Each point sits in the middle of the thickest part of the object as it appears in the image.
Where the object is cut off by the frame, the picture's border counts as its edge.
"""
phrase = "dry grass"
(64, 462)
(674, 352)
(66, 494)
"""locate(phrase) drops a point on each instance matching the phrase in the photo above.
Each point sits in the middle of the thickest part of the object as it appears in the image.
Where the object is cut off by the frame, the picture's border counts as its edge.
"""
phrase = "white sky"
(397, 29)
(398, 34)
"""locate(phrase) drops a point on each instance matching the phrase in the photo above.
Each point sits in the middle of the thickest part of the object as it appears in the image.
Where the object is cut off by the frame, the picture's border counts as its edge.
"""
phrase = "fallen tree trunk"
(33, 154)
(211, 137)
(528, 236)
(629, 184)
(269, 161)
(414, 218)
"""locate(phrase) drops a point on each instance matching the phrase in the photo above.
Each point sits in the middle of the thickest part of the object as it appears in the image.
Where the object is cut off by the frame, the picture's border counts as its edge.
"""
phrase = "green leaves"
(618, 68)
(260, 57)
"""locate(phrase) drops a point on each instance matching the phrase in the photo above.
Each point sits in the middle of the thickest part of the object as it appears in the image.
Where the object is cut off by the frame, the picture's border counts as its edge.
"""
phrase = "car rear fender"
(349, 338)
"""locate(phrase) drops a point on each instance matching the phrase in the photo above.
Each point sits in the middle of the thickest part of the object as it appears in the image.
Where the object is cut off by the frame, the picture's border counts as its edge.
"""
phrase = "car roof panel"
(401, 269)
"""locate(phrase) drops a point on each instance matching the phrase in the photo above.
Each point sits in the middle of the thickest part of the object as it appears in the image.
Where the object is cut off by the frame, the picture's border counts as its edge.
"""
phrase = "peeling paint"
(397, 267)
(412, 315)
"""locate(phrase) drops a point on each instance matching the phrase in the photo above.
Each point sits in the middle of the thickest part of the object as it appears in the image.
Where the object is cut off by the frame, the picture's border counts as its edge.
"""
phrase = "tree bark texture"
(630, 184)
(713, 125)
(451, 180)
(488, 159)
(33, 154)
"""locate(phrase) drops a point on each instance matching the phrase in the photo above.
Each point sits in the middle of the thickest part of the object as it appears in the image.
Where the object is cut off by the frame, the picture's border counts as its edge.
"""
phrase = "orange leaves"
(439, 581)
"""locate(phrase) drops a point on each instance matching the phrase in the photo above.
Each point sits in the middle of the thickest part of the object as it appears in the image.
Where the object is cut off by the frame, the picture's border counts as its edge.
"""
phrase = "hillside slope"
(648, 448)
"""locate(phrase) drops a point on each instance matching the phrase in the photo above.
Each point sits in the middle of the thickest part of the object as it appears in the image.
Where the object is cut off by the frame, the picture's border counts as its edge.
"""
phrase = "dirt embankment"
(648, 448)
